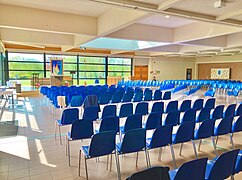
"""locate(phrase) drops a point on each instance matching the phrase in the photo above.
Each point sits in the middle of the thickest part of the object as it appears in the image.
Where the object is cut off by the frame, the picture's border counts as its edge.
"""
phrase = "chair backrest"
(210, 103)
(138, 96)
(76, 101)
(224, 127)
(69, 115)
(102, 143)
(172, 106)
(148, 95)
(110, 123)
(205, 130)
(157, 95)
(239, 110)
(126, 110)
(161, 137)
(237, 126)
(184, 133)
(134, 141)
(230, 110)
(153, 121)
(127, 97)
(167, 95)
(204, 114)
(91, 113)
(198, 104)
(172, 118)
(133, 121)
(109, 110)
(91, 100)
(81, 129)
(155, 173)
(224, 165)
(117, 97)
(218, 112)
(189, 115)
(105, 98)
(194, 169)
(186, 104)
(158, 107)
(142, 108)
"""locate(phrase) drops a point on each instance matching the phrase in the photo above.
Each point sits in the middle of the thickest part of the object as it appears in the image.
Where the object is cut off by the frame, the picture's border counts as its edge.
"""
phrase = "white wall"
(170, 68)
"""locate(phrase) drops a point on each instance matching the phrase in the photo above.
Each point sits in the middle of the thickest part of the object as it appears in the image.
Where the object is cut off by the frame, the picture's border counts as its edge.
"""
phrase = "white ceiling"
(193, 26)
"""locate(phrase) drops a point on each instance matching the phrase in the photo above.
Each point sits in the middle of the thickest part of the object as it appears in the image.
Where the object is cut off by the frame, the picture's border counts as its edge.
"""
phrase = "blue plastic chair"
(167, 95)
(172, 118)
(109, 110)
(110, 123)
(221, 167)
(148, 95)
(142, 108)
(76, 101)
(223, 128)
(218, 112)
(68, 116)
(138, 96)
(133, 141)
(238, 111)
(101, 144)
(238, 165)
(189, 115)
(161, 137)
(91, 113)
(157, 95)
(237, 125)
(229, 110)
(105, 98)
(184, 134)
(185, 105)
(80, 129)
(204, 131)
(126, 110)
(133, 121)
(172, 106)
(210, 103)
(204, 114)
(194, 169)
(117, 97)
(198, 104)
(127, 97)
(158, 107)
(153, 121)
(156, 173)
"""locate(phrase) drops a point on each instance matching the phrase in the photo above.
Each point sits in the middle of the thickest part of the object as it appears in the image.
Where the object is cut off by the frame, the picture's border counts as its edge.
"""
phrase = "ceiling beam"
(167, 4)
(229, 15)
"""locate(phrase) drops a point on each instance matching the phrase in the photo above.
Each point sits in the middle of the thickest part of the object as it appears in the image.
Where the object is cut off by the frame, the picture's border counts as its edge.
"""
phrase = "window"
(92, 68)
(22, 65)
(119, 67)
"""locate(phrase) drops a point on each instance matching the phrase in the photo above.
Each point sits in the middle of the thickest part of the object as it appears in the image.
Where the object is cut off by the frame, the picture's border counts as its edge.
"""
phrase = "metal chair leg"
(214, 146)
(80, 157)
(111, 161)
(86, 167)
(117, 165)
(199, 146)
(173, 156)
(147, 159)
(69, 155)
(231, 140)
(181, 149)
(55, 129)
(148, 155)
(216, 140)
(107, 162)
(60, 135)
(194, 148)
(137, 159)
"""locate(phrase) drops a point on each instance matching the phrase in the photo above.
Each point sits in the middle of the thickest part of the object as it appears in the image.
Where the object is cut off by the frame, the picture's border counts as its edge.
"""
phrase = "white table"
(8, 92)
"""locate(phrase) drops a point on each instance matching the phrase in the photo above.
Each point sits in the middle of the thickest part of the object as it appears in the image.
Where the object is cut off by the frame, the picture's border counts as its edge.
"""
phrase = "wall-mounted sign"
(220, 73)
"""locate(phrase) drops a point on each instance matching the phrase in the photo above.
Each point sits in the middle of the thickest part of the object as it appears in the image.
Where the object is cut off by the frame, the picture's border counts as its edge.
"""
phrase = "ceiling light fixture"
(167, 16)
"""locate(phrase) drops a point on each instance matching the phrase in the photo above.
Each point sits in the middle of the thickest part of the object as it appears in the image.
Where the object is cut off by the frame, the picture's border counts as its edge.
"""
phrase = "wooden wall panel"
(204, 70)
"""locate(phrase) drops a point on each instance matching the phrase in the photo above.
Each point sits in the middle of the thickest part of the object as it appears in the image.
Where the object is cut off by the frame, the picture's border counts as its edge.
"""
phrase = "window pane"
(123, 61)
(86, 67)
(119, 68)
(25, 66)
(91, 74)
(96, 60)
(66, 58)
(25, 57)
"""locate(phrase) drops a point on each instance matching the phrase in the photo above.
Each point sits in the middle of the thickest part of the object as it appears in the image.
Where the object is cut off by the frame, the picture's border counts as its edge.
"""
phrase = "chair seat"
(85, 150)
(172, 173)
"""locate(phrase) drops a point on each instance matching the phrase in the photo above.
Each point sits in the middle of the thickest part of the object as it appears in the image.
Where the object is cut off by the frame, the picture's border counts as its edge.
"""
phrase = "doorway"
(141, 73)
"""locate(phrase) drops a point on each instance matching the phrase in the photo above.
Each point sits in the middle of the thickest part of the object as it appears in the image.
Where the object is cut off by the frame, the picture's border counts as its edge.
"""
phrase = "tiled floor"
(35, 154)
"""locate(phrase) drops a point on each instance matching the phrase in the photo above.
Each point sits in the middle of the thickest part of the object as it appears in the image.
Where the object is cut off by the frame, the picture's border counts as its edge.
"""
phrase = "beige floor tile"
(18, 166)
(38, 170)
(23, 173)
(44, 176)
(3, 176)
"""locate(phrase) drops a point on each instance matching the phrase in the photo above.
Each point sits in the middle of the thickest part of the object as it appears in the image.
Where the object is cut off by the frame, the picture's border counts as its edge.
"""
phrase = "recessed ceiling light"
(167, 16)
(222, 49)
